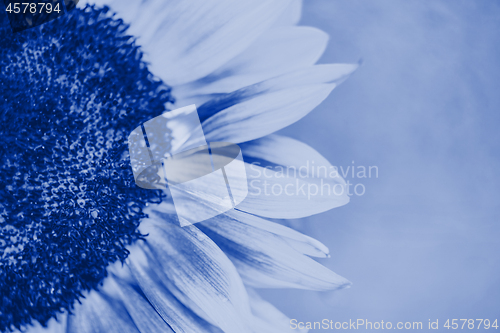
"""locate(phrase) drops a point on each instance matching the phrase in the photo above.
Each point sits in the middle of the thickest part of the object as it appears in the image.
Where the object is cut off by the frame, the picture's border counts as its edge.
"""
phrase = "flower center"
(73, 90)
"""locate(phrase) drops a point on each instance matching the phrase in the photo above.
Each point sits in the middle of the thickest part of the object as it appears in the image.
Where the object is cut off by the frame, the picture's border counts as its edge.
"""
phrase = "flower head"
(72, 221)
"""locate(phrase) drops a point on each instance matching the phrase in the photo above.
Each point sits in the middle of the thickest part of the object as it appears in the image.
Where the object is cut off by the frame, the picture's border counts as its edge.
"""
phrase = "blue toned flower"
(80, 242)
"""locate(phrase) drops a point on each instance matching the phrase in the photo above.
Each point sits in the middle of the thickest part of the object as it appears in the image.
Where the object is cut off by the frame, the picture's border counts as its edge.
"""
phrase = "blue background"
(424, 241)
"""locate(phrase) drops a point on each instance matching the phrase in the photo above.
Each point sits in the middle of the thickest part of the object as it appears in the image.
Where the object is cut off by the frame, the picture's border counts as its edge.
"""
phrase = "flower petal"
(332, 73)
(100, 313)
(289, 179)
(300, 242)
(198, 269)
(178, 316)
(278, 51)
(265, 259)
(275, 195)
(264, 114)
(140, 310)
(187, 40)
(268, 319)
(285, 151)
(292, 14)
(266, 107)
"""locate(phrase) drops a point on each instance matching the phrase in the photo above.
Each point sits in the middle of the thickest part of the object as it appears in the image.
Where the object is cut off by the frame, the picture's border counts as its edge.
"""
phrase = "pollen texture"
(72, 90)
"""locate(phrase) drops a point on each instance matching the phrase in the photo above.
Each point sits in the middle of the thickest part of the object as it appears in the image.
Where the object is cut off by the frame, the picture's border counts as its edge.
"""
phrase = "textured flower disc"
(72, 91)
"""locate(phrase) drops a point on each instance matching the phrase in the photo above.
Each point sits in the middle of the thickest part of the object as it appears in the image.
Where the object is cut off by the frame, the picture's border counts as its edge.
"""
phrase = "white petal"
(100, 313)
(268, 319)
(179, 317)
(323, 73)
(300, 242)
(332, 73)
(195, 266)
(285, 151)
(140, 310)
(266, 107)
(264, 114)
(187, 40)
(292, 14)
(288, 197)
(265, 259)
(296, 182)
(278, 51)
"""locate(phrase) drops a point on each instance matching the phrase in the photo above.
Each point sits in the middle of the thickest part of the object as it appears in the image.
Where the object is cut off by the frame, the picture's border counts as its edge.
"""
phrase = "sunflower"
(83, 249)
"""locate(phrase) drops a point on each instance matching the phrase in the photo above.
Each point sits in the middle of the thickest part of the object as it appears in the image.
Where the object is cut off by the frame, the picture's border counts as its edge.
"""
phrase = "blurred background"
(423, 242)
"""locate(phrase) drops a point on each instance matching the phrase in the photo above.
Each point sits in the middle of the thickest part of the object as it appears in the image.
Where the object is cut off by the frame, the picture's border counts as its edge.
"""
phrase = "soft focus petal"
(178, 316)
(264, 259)
(264, 114)
(198, 269)
(280, 50)
(100, 313)
(332, 73)
(265, 107)
(289, 179)
(268, 319)
(292, 14)
(300, 242)
(140, 310)
(285, 151)
(187, 40)
(270, 194)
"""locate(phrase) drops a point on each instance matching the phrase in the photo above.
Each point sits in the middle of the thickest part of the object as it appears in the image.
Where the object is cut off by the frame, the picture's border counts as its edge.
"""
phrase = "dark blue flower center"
(72, 91)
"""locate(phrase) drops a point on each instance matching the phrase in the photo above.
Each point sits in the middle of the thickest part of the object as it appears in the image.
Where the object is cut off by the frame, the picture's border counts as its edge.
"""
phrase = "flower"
(80, 242)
